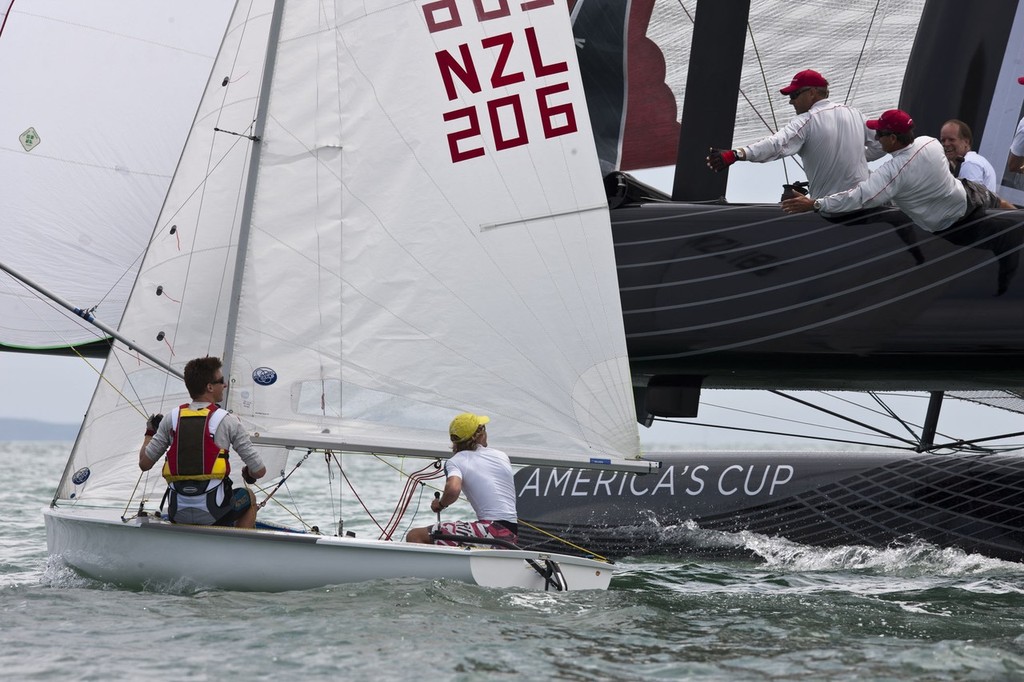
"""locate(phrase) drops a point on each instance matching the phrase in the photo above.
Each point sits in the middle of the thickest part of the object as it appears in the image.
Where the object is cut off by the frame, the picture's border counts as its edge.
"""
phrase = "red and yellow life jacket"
(193, 455)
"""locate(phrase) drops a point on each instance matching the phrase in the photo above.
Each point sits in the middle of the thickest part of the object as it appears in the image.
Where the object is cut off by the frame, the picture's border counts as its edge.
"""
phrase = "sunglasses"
(883, 133)
(218, 381)
(794, 95)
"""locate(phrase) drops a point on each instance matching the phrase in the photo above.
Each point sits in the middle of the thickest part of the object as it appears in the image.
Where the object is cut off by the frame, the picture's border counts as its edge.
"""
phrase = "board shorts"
(477, 529)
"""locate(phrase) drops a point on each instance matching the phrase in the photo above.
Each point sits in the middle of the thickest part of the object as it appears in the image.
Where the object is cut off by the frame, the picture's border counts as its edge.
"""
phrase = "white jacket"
(917, 180)
(833, 143)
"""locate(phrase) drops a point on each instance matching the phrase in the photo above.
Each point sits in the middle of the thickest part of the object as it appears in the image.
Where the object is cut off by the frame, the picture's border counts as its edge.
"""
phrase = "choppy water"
(796, 613)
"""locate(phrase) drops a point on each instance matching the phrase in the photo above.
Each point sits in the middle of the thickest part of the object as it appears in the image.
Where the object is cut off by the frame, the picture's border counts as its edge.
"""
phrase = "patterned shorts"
(476, 529)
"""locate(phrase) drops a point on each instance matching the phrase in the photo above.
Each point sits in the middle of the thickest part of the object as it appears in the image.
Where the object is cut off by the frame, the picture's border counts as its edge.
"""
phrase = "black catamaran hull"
(974, 503)
(746, 296)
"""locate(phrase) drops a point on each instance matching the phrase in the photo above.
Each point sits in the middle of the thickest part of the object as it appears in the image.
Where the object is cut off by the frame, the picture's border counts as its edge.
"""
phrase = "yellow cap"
(465, 425)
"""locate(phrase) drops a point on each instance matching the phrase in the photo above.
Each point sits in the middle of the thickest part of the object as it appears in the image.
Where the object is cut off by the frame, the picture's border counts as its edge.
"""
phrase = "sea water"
(792, 612)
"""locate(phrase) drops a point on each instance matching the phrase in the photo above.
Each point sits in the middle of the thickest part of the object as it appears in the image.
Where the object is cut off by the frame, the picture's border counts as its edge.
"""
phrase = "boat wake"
(909, 558)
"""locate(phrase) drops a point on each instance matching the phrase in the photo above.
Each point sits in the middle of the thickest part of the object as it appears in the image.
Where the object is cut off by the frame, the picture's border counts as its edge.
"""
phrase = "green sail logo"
(29, 139)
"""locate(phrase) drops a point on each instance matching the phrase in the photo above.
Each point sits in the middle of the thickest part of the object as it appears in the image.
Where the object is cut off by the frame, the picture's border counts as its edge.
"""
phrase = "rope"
(366, 509)
(563, 541)
(412, 483)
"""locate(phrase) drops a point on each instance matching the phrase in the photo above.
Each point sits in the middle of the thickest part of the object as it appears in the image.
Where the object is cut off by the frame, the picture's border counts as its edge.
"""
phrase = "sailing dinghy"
(374, 235)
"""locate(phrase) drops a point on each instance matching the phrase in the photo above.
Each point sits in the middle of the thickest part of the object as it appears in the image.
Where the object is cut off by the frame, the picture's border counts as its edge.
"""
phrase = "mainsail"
(376, 239)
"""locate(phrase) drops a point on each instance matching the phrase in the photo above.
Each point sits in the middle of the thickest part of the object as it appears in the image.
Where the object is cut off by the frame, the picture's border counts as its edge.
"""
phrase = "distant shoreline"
(32, 429)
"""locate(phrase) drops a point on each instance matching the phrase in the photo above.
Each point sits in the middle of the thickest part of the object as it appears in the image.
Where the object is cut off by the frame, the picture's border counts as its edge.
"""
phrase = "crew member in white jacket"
(918, 182)
(831, 139)
(916, 179)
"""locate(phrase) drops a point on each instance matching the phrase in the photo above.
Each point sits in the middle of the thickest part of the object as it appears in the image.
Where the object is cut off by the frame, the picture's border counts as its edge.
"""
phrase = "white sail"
(98, 98)
(385, 286)
(390, 286)
(179, 305)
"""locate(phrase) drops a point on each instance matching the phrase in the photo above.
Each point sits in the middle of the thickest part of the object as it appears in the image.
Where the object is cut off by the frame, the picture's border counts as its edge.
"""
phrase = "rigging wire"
(860, 55)
(968, 446)
(414, 481)
(892, 414)
(783, 433)
(768, 94)
(844, 418)
(7, 14)
(358, 497)
(561, 540)
(789, 420)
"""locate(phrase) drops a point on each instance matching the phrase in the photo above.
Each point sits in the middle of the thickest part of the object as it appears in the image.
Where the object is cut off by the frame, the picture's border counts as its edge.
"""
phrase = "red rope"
(415, 479)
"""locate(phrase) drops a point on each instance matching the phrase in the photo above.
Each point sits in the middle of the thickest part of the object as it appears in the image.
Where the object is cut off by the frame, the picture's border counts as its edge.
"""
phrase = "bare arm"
(452, 490)
(145, 463)
(1014, 163)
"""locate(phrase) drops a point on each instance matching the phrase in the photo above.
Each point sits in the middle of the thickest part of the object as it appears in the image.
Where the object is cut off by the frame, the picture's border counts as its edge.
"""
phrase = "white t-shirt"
(487, 482)
(833, 142)
(917, 180)
(976, 167)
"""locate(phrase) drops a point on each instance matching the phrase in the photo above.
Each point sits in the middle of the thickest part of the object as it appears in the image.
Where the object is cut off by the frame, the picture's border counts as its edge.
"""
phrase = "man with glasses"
(830, 138)
(196, 438)
(916, 179)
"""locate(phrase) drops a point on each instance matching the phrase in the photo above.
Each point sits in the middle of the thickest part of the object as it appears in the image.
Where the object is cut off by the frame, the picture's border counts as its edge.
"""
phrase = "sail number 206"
(505, 114)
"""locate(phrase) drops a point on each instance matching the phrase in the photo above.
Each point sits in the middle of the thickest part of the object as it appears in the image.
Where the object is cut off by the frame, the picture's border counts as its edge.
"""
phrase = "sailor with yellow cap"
(485, 475)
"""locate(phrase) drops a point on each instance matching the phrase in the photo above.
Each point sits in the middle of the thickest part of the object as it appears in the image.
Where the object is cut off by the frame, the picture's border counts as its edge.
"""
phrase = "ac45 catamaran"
(743, 296)
(374, 234)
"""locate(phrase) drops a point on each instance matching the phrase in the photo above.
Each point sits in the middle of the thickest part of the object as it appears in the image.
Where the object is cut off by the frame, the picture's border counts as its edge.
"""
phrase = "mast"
(250, 184)
(712, 87)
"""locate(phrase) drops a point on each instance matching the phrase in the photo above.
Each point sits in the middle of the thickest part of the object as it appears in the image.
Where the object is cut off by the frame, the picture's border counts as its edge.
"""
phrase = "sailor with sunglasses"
(196, 438)
(831, 139)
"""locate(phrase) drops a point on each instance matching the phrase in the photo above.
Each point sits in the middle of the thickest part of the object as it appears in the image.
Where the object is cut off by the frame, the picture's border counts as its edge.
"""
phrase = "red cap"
(894, 121)
(805, 79)
(1021, 80)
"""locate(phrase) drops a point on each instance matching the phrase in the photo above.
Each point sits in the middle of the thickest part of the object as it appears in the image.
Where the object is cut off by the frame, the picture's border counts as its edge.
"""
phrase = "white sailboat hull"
(149, 552)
